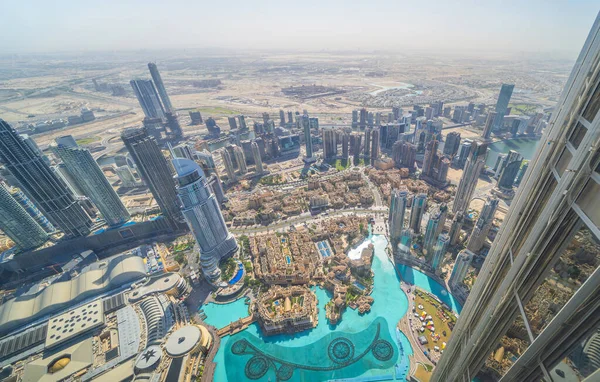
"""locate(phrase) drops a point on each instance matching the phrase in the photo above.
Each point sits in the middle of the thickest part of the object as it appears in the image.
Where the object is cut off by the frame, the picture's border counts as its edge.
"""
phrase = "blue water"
(359, 285)
(238, 275)
(288, 260)
(390, 303)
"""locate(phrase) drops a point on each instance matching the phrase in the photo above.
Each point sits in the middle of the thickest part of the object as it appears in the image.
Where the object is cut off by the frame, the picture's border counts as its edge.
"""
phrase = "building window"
(590, 111)
(563, 161)
(588, 201)
(577, 135)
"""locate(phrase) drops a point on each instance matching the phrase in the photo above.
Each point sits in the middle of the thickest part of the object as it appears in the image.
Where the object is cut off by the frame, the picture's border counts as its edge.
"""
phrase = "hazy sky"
(545, 26)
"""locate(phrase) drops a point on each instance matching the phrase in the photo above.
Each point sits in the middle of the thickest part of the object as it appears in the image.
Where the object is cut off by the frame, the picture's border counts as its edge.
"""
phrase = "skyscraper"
(242, 122)
(375, 145)
(160, 87)
(554, 210)
(419, 205)
(345, 143)
(281, 117)
(368, 142)
(455, 228)
(91, 180)
(232, 123)
(240, 159)
(42, 184)
(148, 98)
(452, 143)
(461, 267)
(329, 143)
(31, 209)
(430, 158)
(510, 170)
(466, 187)
(399, 199)
(435, 226)
(489, 122)
(307, 136)
(154, 170)
(258, 165)
(483, 225)
(363, 118)
(228, 165)
(439, 251)
(17, 224)
(204, 218)
(502, 105)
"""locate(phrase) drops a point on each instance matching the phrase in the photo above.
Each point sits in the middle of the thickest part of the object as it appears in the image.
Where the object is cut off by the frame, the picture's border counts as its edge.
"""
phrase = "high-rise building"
(228, 165)
(242, 122)
(483, 225)
(404, 154)
(452, 143)
(345, 143)
(455, 228)
(281, 117)
(466, 187)
(48, 192)
(126, 177)
(461, 267)
(31, 209)
(489, 122)
(307, 136)
(329, 143)
(363, 118)
(463, 153)
(430, 157)
(154, 170)
(160, 87)
(17, 224)
(258, 165)
(232, 123)
(68, 180)
(266, 117)
(148, 98)
(502, 105)
(439, 252)
(510, 170)
(195, 117)
(91, 180)
(204, 218)
(553, 215)
(419, 205)
(240, 159)
(521, 174)
(375, 152)
(368, 142)
(398, 202)
(435, 226)
(290, 117)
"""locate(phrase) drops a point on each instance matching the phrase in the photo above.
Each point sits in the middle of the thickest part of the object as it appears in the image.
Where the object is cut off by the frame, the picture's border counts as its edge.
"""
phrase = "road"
(305, 218)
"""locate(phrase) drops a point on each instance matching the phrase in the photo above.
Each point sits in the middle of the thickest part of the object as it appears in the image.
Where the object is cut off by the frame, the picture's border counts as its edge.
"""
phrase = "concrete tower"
(466, 187)
(48, 192)
(91, 180)
(419, 205)
(154, 170)
(204, 218)
(257, 159)
(17, 224)
(228, 165)
(399, 200)
(160, 87)
(557, 200)
(148, 98)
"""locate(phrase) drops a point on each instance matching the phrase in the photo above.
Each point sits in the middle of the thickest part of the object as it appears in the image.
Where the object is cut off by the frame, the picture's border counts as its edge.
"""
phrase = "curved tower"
(203, 216)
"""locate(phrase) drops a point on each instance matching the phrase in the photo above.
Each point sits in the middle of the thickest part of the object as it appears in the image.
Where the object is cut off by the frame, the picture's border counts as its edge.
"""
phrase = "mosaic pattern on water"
(336, 355)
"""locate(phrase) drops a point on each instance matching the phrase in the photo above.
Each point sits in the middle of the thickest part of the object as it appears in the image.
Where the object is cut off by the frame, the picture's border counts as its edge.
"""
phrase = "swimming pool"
(288, 260)
(238, 275)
